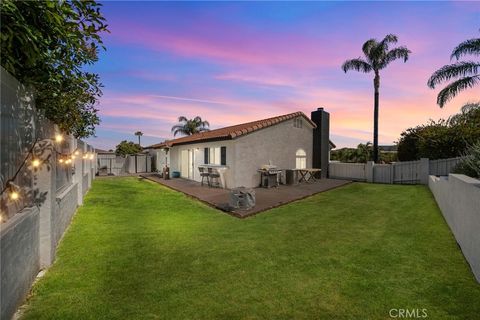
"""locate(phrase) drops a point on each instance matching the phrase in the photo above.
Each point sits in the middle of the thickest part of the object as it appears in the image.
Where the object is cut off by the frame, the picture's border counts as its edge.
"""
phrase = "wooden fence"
(407, 172)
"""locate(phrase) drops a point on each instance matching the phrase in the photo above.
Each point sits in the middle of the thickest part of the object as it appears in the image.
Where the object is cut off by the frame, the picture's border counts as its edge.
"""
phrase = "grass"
(137, 250)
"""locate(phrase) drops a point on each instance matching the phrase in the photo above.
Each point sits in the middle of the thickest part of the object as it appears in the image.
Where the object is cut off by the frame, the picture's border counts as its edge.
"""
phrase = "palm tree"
(377, 57)
(139, 134)
(466, 73)
(190, 126)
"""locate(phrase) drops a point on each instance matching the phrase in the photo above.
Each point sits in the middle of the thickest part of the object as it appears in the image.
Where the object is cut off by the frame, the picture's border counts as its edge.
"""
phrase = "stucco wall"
(198, 148)
(246, 154)
(278, 143)
(85, 184)
(161, 158)
(458, 197)
(20, 262)
(66, 205)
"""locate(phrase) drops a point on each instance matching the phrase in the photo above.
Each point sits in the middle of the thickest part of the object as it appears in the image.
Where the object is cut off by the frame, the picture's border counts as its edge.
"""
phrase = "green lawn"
(137, 250)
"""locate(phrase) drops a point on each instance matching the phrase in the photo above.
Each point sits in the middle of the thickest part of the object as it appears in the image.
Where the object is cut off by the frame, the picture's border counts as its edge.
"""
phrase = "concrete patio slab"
(265, 198)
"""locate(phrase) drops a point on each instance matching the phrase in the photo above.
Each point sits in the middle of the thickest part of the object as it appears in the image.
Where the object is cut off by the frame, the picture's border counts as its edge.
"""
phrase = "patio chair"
(204, 175)
(214, 177)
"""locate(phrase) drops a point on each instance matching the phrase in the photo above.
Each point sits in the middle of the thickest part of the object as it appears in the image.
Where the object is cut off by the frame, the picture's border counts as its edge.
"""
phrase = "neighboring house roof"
(103, 151)
(391, 148)
(231, 132)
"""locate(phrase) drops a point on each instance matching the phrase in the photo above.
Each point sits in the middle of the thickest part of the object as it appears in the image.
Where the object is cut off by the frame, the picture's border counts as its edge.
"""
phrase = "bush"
(470, 165)
(442, 139)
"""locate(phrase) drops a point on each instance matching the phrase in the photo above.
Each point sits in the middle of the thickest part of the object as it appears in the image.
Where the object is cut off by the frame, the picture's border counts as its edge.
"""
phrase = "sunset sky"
(237, 62)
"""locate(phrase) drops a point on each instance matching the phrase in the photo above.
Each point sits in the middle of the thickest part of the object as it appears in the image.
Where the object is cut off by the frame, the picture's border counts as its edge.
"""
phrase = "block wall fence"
(32, 225)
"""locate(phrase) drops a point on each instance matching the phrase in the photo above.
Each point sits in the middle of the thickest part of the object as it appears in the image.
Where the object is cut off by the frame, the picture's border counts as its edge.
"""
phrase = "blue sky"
(236, 62)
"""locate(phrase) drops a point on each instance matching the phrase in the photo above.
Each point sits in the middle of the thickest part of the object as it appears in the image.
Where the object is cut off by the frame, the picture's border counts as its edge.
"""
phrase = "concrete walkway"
(265, 198)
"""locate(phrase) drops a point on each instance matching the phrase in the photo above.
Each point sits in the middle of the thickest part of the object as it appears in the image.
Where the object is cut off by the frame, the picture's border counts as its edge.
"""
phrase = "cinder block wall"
(20, 262)
(29, 230)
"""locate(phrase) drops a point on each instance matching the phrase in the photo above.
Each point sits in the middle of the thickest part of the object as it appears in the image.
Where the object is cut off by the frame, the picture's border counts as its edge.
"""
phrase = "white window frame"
(300, 159)
(214, 155)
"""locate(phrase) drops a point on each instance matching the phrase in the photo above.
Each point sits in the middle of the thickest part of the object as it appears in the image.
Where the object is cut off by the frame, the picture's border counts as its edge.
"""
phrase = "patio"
(265, 198)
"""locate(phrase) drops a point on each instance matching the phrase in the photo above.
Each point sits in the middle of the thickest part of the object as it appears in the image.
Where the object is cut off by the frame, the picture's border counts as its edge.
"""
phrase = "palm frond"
(176, 127)
(357, 65)
(396, 53)
(389, 38)
(368, 46)
(456, 70)
(450, 91)
(382, 47)
(182, 119)
(471, 46)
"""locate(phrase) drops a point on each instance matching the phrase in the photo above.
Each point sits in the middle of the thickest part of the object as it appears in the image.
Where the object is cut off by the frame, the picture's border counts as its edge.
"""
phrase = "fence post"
(78, 176)
(424, 170)
(392, 173)
(47, 184)
(369, 171)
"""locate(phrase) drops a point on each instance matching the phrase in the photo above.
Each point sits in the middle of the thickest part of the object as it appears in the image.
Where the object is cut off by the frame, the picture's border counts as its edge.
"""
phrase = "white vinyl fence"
(407, 172)
(111, 164)
(354, 171)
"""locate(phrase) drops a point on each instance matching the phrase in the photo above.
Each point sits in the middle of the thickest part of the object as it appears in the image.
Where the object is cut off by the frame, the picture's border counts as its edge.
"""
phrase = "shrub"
(470, 165)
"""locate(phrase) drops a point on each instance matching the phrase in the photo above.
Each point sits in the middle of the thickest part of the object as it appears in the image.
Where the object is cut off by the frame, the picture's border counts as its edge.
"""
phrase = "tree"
(139, 134)
(377, 57)
(127, 147)
(190, 126)
(466, 74)
(45, 45)
(442, 139)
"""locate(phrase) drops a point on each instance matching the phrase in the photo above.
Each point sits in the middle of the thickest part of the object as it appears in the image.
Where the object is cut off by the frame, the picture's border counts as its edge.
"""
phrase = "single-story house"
(288, 141)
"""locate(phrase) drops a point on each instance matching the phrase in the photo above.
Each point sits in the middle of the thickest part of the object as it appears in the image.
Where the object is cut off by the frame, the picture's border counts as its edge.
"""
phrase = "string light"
(35, 163)
(14, 195)
(14, 191)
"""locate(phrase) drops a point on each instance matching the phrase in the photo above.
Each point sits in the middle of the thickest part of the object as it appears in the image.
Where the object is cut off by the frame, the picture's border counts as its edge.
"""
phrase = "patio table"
(308, 175)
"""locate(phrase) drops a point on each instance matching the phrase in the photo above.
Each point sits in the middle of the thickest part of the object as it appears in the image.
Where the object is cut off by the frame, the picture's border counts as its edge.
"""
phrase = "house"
(288, 141)
(389, 148)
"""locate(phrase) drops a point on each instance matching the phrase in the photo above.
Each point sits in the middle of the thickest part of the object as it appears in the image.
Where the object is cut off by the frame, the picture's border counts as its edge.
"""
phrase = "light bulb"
(60, 160)
(76, 153)
(35, 163)
(91, 156)
(14, 195)
(58, 138)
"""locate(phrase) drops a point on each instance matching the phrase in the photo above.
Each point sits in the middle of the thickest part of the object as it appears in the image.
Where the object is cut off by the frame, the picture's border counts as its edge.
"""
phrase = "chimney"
(321, 140)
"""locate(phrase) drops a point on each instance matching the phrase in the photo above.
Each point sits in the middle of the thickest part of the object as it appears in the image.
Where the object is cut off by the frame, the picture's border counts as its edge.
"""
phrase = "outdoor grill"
(269, 176)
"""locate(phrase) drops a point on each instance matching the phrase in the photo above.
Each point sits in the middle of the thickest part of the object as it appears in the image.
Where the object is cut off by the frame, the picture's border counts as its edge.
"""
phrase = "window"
(297, 122)
(217, 155)
(300, 159)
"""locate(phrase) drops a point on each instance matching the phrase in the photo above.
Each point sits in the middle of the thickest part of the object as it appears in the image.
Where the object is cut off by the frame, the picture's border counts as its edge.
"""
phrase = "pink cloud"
(232, 44)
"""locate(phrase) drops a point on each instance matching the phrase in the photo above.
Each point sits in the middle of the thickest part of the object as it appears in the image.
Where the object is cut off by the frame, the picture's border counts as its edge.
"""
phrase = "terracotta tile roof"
(231, 132)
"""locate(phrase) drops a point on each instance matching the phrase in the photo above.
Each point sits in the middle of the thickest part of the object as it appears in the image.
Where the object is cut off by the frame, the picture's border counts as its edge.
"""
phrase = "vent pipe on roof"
(321, 138)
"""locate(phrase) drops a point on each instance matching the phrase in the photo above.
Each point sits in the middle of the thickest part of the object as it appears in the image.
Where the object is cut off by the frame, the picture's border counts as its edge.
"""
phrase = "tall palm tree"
(377, 56)
(139, 134)
(190, 126)
(466, 73)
